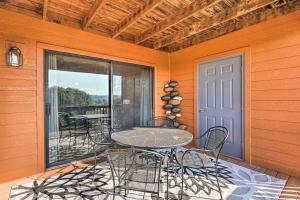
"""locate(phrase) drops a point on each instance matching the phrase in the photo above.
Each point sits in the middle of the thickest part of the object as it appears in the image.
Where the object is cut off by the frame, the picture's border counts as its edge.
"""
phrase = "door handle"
(202, 110)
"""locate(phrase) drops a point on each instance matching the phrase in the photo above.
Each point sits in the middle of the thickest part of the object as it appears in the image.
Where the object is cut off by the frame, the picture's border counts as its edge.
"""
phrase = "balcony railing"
(83, 110)
(120, 113)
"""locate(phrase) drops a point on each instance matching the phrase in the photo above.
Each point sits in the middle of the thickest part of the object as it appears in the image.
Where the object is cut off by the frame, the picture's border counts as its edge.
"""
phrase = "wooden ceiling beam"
(242, 22)
(45, 9)
(183, 14)
(96, 7)
(152, 4)
(226, 15)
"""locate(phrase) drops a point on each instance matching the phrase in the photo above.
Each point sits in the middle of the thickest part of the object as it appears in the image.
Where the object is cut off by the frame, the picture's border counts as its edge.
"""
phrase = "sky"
(93, 84)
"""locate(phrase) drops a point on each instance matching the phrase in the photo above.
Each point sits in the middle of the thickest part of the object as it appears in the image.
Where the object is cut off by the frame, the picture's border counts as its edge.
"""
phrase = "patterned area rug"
(237, 183)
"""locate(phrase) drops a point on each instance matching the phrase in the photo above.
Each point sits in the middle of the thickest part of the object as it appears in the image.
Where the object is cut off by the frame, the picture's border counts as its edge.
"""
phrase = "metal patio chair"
(64, 125)
(206, 157)
(70, 128)
(135, 169)
(99, 137)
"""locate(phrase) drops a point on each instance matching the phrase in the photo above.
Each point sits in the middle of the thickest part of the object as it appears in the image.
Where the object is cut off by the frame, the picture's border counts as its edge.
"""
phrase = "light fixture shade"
(14, 57)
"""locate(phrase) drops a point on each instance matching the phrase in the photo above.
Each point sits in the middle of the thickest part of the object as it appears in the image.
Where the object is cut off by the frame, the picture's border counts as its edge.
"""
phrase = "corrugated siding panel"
(18, 86)
(184, 75)
(275, 88)
(18, 144)
(276, 100)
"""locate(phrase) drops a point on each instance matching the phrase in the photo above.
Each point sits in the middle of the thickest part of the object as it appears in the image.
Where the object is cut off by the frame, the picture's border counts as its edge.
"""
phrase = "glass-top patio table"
(90, 121)
(90, 116)
(153, 138)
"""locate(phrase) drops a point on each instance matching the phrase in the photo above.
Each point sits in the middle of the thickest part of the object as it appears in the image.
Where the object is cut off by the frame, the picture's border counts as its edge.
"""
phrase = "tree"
(71, 96)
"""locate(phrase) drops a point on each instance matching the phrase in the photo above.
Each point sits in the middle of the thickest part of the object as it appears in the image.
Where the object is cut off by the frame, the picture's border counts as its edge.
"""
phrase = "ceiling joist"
(226, 15)
(152, 4)
(45, 9)
(185, 13)
(97, 6)
(167, 25)
(242, 22)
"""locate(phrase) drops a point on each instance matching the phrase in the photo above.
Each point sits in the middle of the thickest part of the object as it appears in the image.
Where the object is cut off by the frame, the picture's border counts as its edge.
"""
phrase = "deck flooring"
(291, 190)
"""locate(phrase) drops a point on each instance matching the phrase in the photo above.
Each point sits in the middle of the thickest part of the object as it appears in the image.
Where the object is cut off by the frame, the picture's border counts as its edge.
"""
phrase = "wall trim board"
(101, 55)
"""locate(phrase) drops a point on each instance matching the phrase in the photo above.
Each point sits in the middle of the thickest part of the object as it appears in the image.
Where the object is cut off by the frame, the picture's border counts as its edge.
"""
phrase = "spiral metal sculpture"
(172, 101)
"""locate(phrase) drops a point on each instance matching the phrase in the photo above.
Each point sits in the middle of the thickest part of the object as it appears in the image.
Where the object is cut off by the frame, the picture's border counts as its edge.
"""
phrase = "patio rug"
(237, 183)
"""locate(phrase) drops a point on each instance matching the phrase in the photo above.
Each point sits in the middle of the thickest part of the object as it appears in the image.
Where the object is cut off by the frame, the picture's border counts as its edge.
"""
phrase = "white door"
(220, 101)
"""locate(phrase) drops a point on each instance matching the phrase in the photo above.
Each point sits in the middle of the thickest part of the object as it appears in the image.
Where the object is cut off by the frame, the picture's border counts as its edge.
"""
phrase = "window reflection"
(79, 89)
(85, 97)
(78, 106)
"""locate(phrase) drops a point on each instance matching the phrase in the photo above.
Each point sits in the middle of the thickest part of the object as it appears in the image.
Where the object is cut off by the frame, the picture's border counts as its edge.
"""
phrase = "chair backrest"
(161, 121)
(63, 120)
(98, 133)
(215, 139)
(135, 166)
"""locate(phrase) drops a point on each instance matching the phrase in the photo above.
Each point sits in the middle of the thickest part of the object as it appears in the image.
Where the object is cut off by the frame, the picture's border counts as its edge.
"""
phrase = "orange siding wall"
(273, 52)
(18, 87)
(274, 62)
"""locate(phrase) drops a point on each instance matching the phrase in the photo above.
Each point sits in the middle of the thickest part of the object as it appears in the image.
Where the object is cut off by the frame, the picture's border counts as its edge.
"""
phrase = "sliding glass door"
(84, 94)
(132, 95)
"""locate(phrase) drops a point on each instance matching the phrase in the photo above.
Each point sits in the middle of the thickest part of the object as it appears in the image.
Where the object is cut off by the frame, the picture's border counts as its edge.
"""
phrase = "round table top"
(90, 116)
(153, 137)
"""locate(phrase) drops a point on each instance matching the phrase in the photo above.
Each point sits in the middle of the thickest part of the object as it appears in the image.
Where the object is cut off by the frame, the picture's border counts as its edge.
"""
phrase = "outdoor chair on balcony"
(70, 128)
(79, 130)
(64, 125)
(99, 140)
(161, 121)
(206, 157)
(135, 169)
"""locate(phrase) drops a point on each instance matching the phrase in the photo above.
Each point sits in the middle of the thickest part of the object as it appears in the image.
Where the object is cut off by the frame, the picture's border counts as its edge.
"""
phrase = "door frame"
(40, 102)
(240, 55)
(244, 52)
(46, 79)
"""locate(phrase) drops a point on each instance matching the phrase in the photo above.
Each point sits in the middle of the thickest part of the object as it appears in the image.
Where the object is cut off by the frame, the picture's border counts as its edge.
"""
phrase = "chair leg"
(70, 138)
(95, 164)
(206, 173)
(181, 184)
(114, 187)
(114, 193)
(167, 195)
(217, 177)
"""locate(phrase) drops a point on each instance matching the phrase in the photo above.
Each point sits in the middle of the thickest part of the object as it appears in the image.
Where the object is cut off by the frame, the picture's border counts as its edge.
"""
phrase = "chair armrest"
(210, 152)
(203, 158)
(200, 150)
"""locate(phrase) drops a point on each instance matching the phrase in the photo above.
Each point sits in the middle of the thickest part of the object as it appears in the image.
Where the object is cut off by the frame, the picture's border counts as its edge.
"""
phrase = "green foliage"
(117, 100)
(71, 97)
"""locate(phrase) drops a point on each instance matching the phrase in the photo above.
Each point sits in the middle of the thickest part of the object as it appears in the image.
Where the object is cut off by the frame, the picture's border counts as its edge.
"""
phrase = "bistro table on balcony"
(90, 116)
(93, 121)
(154, 138)
(90, 119)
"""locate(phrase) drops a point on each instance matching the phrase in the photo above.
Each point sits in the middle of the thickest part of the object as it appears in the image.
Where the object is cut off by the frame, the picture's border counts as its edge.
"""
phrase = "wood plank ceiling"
(167, 25)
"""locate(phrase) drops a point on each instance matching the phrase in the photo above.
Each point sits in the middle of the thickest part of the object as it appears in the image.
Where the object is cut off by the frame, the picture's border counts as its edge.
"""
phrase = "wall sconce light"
(14, 57)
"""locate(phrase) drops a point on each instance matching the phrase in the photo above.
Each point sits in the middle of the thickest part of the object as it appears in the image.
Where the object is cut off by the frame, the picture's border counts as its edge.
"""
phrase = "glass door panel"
(77, 97)
(85, 96)
(132, 95)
